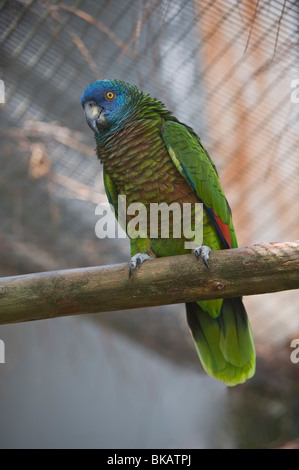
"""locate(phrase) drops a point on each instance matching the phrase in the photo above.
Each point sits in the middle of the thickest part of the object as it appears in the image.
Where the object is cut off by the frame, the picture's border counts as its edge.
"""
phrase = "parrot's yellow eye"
(110, 95)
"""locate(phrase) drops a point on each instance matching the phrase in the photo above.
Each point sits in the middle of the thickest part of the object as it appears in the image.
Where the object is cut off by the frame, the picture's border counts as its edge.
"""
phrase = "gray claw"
(137, 260)
(204, 251)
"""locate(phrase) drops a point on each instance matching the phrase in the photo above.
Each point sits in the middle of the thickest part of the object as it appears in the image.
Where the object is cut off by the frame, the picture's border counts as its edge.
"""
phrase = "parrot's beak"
(94, 115)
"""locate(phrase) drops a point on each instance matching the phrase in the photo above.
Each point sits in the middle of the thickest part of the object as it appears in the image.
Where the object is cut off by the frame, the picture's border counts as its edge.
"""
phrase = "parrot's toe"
(204, 251)
(137, 260)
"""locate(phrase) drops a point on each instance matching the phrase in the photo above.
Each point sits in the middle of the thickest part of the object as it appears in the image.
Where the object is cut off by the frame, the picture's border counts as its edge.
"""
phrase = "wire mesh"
(223, 67)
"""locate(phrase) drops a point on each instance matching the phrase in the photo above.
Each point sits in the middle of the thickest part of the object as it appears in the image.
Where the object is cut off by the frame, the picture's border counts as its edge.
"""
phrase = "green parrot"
(151, 157)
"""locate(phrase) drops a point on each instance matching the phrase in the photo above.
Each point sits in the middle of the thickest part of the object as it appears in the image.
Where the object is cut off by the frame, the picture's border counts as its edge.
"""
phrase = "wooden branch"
(258, 269)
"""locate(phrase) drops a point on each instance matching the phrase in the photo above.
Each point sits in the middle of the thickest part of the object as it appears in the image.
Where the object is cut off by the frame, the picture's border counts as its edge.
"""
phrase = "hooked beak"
(94, 115)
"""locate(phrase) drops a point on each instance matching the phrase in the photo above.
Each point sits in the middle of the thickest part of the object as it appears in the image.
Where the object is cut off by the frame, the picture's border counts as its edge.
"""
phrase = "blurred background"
(132, 379)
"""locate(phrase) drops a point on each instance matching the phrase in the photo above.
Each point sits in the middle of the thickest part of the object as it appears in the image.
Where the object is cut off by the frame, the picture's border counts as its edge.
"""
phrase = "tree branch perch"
(257, 269)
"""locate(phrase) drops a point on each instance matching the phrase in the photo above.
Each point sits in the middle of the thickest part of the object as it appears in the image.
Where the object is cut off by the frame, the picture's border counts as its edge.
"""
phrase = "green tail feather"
(224, 344)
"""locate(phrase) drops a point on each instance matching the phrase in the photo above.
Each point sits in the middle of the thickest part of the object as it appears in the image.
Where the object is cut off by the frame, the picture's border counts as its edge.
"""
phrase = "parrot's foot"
(204, 251)
(137, 260)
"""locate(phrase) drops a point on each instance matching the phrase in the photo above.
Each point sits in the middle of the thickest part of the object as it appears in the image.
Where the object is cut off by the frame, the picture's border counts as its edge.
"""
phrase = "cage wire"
(225, 68)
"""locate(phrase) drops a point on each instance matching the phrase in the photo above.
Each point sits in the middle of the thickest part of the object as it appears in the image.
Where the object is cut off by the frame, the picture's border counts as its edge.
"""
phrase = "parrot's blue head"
(107, 103)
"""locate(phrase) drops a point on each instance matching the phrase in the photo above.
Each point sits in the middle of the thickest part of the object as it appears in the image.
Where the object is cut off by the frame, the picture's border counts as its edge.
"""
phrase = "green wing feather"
(220, 328)
(194, 163)
(111, 191)
(112, 195)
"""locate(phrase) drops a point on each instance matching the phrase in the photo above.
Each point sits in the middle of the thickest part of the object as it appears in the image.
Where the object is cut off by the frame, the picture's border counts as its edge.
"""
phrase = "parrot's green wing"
(111, 191)
(194, 163)
(112, 194)
(220, 328)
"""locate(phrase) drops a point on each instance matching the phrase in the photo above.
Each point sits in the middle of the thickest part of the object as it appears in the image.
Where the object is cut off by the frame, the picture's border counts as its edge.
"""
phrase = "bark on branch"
(257, 269)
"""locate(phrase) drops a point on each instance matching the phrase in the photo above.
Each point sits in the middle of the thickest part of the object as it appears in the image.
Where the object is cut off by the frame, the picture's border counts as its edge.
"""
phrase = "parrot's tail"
(224, 344)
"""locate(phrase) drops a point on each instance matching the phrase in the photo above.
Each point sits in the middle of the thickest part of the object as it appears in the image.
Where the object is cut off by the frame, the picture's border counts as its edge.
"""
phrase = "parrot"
(149, 156)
